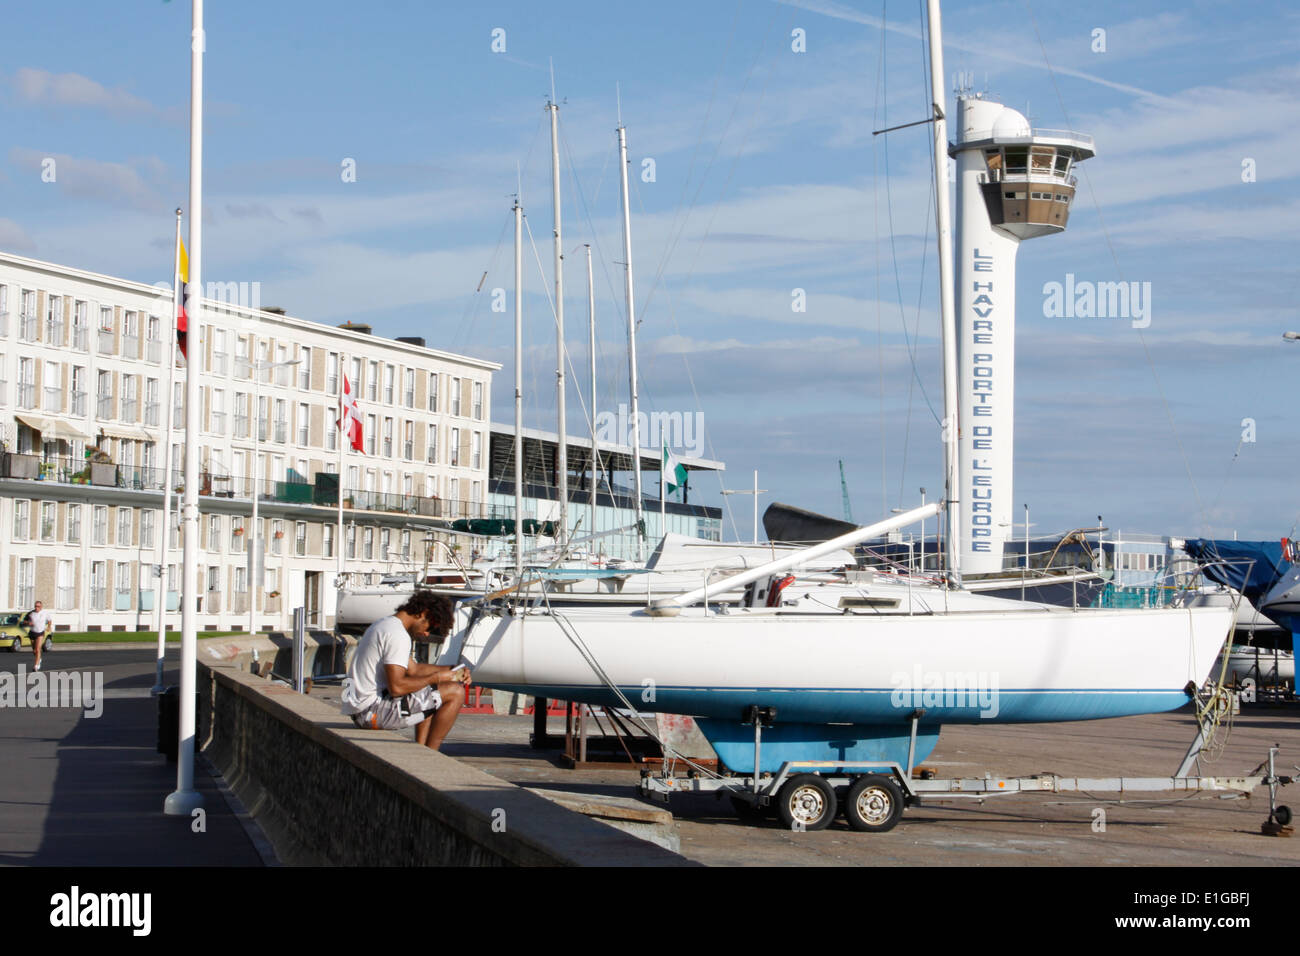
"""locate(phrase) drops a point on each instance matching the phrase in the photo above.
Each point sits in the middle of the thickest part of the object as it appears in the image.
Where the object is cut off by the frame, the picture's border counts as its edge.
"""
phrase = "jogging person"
(386, 689)
(39, 623)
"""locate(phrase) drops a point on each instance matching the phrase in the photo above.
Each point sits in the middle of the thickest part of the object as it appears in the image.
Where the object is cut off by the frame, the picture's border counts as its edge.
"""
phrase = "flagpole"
(167, 468)
(185, 799)
(519, 392)
(663, 465)
(345, 435)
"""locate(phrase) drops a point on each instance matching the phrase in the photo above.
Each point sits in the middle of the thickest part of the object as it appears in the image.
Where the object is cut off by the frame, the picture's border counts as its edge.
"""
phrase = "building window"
(331, 430)
(300, 539)
(408, 440)
(304, 425)
(178, 405)
(370, 435)
(48, 522)
(372, 381)
(218, 366)
(81, 326)
(65, 598)
(328, 546)
(218, 411)
(124, 517)
(431, 446)
(53, 382)
(26, 582)
(243, 366)
(131, 335)
(408, 388)
(277, 536)
(455, 396)
(155, 347)
(105, 341)
(99, 525)
(389, 373)
(453, 451)
(241, 580)
(388, 438)
(54, 321)
(281, 421)
(406, 546)
(370, 544)
(433, 391)
(304, 369)
(352, 541)
(476, 447)
(214, 532)
(22, 520)
(99, 586)
(74, 524)
(478, 401)
(332, 373)
(26, 383)
(385, 543)
(122, 597)
(236, 534)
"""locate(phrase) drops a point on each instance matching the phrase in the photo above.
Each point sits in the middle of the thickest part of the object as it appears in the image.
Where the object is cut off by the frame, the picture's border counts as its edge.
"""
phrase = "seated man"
(385, 687)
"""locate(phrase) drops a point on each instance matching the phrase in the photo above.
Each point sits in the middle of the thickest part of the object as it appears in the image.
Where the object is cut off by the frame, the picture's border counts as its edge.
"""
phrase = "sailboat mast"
(631, 335)
(562, 447)
(591, 348)
(947, 312)
(519, 390)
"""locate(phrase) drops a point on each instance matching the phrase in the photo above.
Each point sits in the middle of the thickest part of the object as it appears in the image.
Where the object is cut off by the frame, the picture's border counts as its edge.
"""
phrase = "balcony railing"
(332, 384)
(219, 363)
(130, 410)
(282, 432)
(408, 450)
(79, 403)
(131, 346)
(98, 598)
(4, 325)
(80, 338)
(241, 426)
(155, 351)
(104, 407)
(218, 423)
(304, 435)
(53, 399)
(54, 331)
(67, 598)
(105, 342)
(26, 395)
(152, 412)
(243, 367)
(27, 327)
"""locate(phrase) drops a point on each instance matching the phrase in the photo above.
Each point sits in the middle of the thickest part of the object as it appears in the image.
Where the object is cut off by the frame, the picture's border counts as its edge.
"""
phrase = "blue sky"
(767, 179)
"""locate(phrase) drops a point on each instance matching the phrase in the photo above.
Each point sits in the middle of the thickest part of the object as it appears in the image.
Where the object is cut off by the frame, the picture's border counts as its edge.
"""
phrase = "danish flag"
(350, 415)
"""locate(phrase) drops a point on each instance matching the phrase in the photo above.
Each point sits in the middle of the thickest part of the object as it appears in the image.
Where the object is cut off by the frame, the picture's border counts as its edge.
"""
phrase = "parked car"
(13, 632)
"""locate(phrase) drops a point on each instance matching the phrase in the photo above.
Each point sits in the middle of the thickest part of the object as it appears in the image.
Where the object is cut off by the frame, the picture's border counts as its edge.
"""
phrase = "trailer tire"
(806, 802)
(1283, 816)
(874, 804)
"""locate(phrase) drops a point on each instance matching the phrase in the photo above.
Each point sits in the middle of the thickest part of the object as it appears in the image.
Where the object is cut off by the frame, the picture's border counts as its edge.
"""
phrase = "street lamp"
(253, 536)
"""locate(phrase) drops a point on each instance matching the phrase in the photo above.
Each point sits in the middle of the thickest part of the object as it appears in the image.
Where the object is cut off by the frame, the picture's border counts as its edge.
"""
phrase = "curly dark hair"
(433, 607)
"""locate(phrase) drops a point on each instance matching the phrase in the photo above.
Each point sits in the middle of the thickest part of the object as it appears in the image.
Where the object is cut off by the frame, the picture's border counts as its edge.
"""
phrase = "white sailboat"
(846, 674)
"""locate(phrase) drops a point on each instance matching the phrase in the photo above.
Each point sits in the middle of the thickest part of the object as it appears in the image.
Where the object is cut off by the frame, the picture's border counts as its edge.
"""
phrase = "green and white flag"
(674, 473)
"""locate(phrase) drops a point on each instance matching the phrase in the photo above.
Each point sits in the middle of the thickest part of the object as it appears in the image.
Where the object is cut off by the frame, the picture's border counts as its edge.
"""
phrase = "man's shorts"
(394, 713)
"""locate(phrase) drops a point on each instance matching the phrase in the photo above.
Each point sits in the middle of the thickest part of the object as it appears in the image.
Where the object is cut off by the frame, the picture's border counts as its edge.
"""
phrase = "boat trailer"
(807, 794)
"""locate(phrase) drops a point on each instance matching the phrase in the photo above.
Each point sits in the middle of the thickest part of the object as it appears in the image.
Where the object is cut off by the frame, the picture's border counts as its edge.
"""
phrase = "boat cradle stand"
(807, 794)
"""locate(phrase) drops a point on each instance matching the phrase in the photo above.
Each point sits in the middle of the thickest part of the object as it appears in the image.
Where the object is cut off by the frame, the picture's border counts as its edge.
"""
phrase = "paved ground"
(81, 791)
(1044, 830)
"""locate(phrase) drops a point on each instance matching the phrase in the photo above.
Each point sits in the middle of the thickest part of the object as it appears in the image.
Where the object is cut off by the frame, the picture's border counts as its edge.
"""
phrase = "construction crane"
(844, 488)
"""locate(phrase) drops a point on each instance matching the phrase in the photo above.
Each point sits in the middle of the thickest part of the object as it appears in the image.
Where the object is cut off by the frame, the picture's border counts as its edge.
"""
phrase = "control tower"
(1013, 183)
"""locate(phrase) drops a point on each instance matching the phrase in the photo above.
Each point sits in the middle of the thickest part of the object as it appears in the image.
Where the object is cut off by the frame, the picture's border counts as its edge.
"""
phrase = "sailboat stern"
(784, 742)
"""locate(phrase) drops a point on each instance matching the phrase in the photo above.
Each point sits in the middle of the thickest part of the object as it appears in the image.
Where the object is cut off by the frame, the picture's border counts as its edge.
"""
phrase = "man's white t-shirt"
(39, 621)
(385, 642)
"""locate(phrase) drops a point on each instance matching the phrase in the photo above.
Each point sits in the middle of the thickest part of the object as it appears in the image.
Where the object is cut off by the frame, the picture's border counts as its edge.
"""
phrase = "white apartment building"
(84, 382)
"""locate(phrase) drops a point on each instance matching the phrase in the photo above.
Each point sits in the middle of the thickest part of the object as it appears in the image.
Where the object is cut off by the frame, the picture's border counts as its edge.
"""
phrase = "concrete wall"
(328, 793)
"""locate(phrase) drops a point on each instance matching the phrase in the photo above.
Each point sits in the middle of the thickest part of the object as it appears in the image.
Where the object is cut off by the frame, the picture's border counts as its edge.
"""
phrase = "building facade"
(85, 384)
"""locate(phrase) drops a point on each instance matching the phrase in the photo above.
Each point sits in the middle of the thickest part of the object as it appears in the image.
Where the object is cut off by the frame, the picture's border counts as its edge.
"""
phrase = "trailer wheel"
(806, 802)
(874, 804)
(1283, 816)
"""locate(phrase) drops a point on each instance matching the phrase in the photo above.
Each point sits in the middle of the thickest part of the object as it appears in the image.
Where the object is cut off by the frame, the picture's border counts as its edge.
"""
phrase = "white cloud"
(43, 88)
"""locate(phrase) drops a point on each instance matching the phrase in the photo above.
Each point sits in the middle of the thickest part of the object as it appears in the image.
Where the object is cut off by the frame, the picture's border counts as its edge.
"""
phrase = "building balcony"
(26, 395)
(130, 346)
(152, 412)
(54, 331)
(27, 327)
(104, 407)
(78, 403)
(155, 350)
(105, 342)
(53, 399)
(130, 410)
(80, 338)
